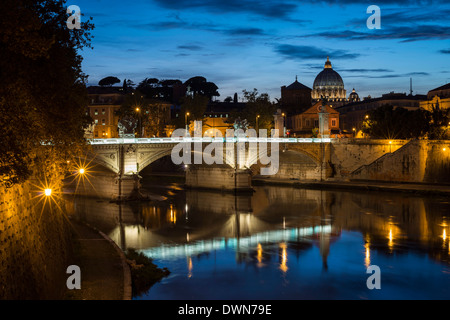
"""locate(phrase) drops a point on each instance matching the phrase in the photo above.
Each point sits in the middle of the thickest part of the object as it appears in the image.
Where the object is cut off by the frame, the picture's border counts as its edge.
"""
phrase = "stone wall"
(35, 244)
(418, 161)
(347, 155)
(220, 177)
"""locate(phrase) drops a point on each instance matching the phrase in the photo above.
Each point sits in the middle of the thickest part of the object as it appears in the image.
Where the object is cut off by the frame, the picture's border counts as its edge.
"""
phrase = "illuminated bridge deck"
(205, 140)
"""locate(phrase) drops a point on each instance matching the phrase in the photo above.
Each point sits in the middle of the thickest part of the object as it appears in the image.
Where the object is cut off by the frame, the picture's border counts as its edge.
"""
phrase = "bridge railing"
(205, 140)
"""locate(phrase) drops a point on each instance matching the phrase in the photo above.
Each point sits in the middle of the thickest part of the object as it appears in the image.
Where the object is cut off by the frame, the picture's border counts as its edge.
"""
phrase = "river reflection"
(284, 243)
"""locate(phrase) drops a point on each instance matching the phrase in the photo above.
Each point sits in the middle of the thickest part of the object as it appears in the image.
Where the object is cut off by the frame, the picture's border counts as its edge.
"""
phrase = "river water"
(283, 243)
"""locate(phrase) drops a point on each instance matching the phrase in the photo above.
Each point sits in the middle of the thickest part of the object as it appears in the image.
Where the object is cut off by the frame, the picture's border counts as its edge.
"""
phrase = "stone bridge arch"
(147, 158)
(105, 157)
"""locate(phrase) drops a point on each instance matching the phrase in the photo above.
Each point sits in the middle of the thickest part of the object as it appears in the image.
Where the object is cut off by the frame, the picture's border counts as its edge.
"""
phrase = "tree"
(199, 86)
(153, 88)
(108, 81)
(258, 108)
(386, 122)
(42, 88)
(196, 106)
(439, 120)
(150, 114)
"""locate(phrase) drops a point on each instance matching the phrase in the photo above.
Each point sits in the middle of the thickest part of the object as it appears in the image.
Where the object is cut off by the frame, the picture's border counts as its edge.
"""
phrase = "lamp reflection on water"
(259, 254)
(391, 239)
(367, 249)
(283, 265)
(190, 267)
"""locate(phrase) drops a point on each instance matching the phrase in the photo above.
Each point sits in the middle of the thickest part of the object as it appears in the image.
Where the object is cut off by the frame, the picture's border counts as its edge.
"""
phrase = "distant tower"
(295, 98)
(410, 87)
(235, 100)
(353, 97)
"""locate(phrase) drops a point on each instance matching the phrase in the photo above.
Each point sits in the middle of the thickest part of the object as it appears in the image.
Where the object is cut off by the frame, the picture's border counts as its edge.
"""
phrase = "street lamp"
(138, 111)
(257, 125)
(82, 171)
(48, 192)
(185, 121)
(284, 124)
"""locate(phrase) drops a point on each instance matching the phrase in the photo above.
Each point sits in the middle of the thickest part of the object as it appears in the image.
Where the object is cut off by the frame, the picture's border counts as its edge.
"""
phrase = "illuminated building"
(329, 84)
(103, 102)
(302, 125)
(437, 97)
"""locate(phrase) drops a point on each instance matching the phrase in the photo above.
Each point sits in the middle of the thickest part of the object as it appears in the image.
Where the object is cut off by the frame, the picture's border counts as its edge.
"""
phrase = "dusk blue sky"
(264, 44)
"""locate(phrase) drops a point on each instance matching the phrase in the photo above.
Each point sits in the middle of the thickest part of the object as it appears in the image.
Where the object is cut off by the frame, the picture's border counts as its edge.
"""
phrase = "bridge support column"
(128, 179)
(128, 187)
(221, 178)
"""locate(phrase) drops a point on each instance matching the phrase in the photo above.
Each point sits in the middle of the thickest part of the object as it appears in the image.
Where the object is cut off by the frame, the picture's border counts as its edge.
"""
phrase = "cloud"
(278, 9)
(404, 34)
(309, 52)
(404, 17)
(389, 76)
(245, 32)
(210, 27)
(191, 47)
(365, 70)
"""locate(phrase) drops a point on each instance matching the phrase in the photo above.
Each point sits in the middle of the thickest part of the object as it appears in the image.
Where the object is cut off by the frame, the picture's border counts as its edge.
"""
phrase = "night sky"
(264, 44)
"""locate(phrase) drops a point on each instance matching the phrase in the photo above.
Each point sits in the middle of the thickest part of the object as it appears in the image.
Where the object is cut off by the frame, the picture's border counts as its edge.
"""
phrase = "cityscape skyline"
(266, 44)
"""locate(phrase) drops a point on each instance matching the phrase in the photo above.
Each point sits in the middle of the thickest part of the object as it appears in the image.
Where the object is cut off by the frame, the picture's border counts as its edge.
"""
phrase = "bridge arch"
(167, 152)
(92, 159)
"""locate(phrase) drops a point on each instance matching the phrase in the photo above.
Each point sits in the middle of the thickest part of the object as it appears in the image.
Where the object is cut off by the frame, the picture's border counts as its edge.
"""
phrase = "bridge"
(137, 153)
(299, 158)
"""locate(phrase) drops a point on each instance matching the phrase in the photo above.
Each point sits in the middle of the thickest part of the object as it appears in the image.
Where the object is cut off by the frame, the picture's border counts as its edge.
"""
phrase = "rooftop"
(444, 87)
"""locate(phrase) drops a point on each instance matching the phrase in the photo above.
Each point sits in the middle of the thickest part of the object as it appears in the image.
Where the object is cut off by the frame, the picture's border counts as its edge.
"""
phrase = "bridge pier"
(128, 187)
(218, 177)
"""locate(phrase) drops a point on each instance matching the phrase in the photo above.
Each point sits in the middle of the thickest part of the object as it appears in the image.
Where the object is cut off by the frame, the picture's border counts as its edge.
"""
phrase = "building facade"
(305, 123)
(295, 98)
(437, 97)
(329, 84)
(353, 114)
(102, 107)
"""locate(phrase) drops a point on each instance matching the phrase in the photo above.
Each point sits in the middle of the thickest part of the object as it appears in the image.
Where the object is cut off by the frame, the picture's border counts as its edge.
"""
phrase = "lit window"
(333, 122)
(96, 121)
(103, 122)
(95, 112)
(103, 111)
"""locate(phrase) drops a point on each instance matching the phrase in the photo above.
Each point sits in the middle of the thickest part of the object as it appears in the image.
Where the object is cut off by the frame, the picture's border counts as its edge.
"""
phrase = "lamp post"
(185, 121)
(139, 121)
(284, 124)
(257, 125)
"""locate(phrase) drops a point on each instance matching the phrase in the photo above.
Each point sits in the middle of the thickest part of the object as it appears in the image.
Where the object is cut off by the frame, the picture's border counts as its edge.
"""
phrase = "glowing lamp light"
(390, 142)
(444, 149)
(82, 171)
(137, 109)
(48, 192)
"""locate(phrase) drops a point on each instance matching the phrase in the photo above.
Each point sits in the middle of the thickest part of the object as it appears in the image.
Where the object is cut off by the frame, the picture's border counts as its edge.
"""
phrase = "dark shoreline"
(426, 189)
